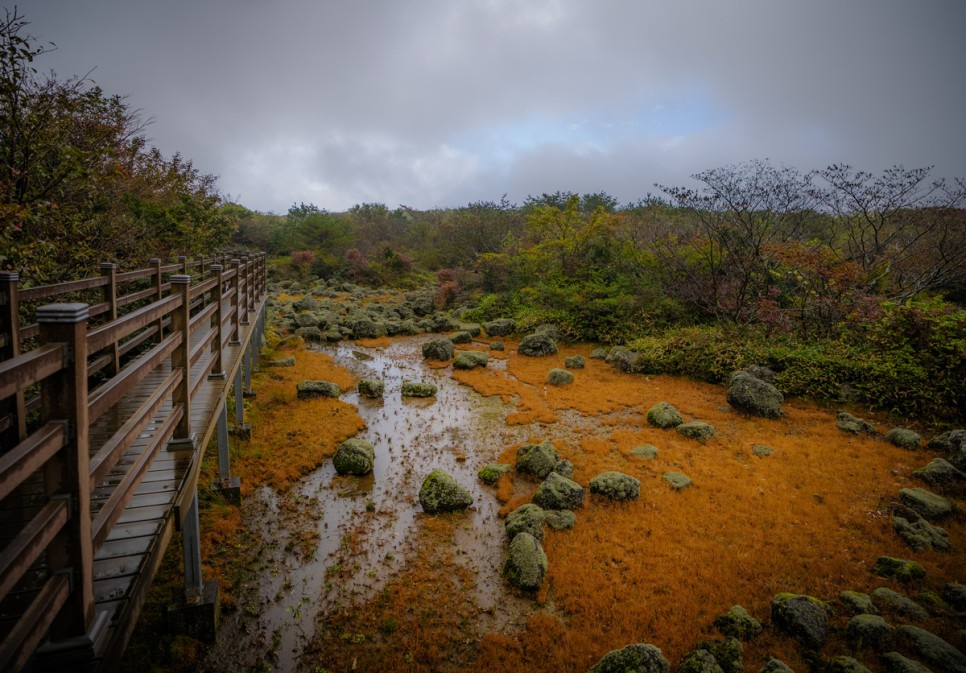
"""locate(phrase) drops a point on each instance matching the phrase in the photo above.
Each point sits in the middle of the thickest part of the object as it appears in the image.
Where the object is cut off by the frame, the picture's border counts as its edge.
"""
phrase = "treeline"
(79, 182)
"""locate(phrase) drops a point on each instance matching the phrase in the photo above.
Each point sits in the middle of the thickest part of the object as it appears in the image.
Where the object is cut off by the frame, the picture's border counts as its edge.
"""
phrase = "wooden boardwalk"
(144, 458)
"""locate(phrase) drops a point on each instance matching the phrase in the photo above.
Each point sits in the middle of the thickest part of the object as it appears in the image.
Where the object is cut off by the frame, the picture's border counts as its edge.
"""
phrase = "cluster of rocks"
(553, 504)
(333, 311)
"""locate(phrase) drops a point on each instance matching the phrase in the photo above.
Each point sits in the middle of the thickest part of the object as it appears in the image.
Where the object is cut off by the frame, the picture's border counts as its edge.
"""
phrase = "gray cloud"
(434, 102)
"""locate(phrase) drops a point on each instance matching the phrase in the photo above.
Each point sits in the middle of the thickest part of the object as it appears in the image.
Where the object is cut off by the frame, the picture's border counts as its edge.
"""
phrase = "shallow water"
(365, 523)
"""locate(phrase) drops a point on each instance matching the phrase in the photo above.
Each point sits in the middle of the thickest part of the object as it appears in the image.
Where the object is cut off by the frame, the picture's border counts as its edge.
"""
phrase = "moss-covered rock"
(802, 617)
(537, 459)
(664, 415)
(598, 354)
(500, 327)
(893, 601)
(417, 389)
(575, 362)
(559, 519)
(646, 451)
(308, 389)
(928, 504)
(737, 623)
(564, 468)
(869, 632)
(849, 423)
(616, 486)
(636, 658)
(354, 456)
(281, 362)
(537, 345)
(775, 666)
(699, 661)
(920, 534)
(858, 603)
(698, 430)
(896, 663)
(371, 388)
(954, 594)
(904, 438)
(761, 450)
(526, 563)
(677, 480)
(438, 349)
(463, 337)
(441, 493)
(900, 569)
(497, 346)
(559, 377)
(953, 445)
(931, 648)
(470, 360)
(846, 664)
(728, 652)
(557, 492)
(526, 518)
(940, 472)
(310, 334)
(366, 328)
(754, 396)
(490, 474)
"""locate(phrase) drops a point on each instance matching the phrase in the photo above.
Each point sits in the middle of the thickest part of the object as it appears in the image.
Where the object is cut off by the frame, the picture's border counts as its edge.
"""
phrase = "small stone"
(849, 423)
(920, 534)
(371, 388)
(616, 486)
(354, 456)
(463, 337)
(897, 568)
(282, 362)
(699, 661)
(564, 468)
(559, 377)
(309, 389)
(939, 472)
(677, 480)
(664, 415)
(598, 354)
(858, 603)
(441, 493)
(887, 599)
(438, 349)
(490, 474)
(904, 438)
(497, 346)
(560, 519)
(698, 430)
(775, 666)
(575, 362)
(955, 594)
(537, 345)
(537, 459)
(728, 653)
(500, 327)
(525, 519)
(647, 451)
(844, 664)
(470, 360)
(761, 450)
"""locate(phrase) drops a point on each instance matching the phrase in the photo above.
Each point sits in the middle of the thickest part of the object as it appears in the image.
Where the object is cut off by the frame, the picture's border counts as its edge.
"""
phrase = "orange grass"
(380, 342)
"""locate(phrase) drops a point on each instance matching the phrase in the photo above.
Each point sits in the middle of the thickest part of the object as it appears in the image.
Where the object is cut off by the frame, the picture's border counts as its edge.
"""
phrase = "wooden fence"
(106, 406)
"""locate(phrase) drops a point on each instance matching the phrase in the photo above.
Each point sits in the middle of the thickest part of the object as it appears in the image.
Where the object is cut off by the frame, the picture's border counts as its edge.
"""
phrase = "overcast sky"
(444, 102)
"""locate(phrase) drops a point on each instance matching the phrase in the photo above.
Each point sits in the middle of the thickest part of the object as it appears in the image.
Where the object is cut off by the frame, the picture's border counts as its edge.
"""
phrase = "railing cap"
(235, 261)
(154, 260)
(63, 313)
(180, 279)
(107, 266)
(9, 276)
(216, 267)
(182, 258)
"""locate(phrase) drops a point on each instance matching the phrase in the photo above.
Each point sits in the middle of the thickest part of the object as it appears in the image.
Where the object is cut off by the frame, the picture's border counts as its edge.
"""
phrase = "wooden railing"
(63, 372)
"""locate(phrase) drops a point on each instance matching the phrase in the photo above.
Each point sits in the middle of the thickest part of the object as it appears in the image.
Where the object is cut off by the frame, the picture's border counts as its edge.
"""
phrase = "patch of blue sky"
(601, 129)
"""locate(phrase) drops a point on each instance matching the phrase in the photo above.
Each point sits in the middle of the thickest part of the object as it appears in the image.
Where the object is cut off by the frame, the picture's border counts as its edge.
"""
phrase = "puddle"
(365, 524)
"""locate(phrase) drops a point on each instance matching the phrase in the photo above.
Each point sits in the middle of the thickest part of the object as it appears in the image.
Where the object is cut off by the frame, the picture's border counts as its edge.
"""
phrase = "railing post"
(201, 266)
(12, 407)
(244, 300)
(218, 370)
(109, 269)
(64, 398)
(183, 261)
(234, 304)
(180, 359)
(155, 263)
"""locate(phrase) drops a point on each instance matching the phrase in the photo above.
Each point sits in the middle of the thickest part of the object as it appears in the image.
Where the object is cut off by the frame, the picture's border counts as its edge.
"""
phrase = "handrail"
(19, 555)
(18, 646)
(43, 291)
(30, 368)
(28, 456)
(103, 336)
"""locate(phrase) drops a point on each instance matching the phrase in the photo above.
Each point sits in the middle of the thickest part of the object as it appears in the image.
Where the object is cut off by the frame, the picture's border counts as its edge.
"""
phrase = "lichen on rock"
(526, 563)
(441, 493)
(354, 456)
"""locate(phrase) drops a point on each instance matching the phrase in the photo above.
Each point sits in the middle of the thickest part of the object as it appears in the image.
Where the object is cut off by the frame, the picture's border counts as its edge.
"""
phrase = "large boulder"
(564, 468)
(900, 569)
(920, 534)
(470, 360)
(500, 327)
(953, 445)
(463, 337)
(926, 503)
(526, 563)
(932, 648)
(889, 600)
(699, 661)
(664, 415)
(308, 389)
(896, 663)
(557, 492)
(438, 349)
(366, 328)
(354, 456)
(954, 594)
(869, 631)
(845, 664)
(728, 653)
(858, 603)
(371, 388)
(441, 493)
(636, 658)
(803, 617)
(904, 438)
(775, 666)
(677, 480)
(754, 396)
(537, 459)
(537, 345)
(616, 486)
(526, 518)
(940, 472)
